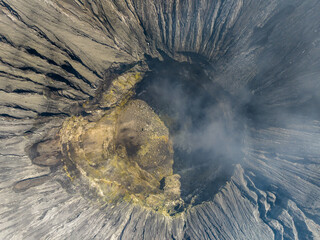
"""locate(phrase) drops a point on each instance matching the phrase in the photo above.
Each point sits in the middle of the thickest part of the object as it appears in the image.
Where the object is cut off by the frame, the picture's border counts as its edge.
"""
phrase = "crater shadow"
(204, 124)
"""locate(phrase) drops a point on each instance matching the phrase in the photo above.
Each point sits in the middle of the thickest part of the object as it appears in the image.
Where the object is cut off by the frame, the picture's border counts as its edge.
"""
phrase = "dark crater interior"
(205, 126)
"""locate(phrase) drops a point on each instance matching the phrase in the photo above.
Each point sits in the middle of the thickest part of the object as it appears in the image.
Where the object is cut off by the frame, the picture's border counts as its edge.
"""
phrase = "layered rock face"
(142, 119)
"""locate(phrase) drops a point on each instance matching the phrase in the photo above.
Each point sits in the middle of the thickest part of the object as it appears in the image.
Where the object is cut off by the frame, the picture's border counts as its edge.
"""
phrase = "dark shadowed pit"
(205, 124)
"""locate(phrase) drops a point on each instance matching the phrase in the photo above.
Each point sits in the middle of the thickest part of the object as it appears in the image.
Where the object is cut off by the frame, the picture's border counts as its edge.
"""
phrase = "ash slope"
(264, 53)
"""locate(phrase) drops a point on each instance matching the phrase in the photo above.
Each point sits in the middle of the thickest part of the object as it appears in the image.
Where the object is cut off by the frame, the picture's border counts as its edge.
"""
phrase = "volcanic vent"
(183, 119)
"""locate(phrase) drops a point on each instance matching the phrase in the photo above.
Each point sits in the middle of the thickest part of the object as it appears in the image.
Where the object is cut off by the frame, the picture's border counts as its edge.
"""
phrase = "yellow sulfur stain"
(67, 172)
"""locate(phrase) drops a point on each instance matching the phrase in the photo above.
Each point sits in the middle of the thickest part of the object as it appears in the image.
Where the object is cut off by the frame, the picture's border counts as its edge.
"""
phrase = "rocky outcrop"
(124, 155)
